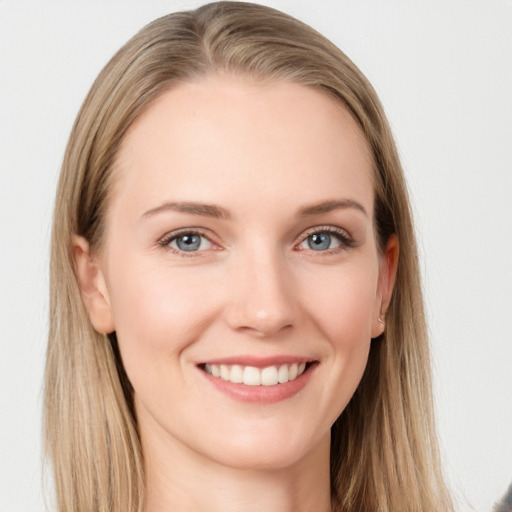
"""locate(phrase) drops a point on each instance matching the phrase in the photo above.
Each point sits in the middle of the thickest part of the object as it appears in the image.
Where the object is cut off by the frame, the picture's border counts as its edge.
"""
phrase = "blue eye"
(326, 239)
(322, 242)
(319, 241)
(189, 242)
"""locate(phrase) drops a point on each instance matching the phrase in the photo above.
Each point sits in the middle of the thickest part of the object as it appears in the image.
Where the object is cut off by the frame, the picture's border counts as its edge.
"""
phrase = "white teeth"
(292, 373)
(283, 374)
(269, 376)
(237, 374)
(252, 376)
(215, 370)
(224, 372)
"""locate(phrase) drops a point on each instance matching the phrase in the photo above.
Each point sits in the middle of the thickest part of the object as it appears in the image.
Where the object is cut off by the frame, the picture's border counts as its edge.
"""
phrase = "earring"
(380, 320)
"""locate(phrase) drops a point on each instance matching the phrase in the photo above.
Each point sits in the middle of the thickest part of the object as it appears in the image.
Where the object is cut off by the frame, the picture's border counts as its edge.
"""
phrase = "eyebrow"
(205, 210)
(217, 212)
(329, 206)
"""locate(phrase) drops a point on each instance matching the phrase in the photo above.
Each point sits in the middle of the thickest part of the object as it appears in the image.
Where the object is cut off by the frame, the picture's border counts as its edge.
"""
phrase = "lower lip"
(261, 394)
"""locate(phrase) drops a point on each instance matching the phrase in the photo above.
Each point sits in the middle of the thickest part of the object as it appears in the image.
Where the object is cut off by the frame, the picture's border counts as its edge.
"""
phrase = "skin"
(264, 153)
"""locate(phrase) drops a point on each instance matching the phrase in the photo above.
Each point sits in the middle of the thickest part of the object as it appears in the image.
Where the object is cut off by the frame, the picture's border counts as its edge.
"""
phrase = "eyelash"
(164, 242)
(344, 238)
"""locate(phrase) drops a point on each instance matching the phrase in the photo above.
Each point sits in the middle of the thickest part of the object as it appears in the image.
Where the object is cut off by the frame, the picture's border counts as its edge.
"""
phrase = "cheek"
(158, 312)
(343, 312)
(343, 303)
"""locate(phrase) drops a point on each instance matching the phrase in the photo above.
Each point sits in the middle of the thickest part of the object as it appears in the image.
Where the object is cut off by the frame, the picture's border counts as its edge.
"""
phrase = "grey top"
(505, 505)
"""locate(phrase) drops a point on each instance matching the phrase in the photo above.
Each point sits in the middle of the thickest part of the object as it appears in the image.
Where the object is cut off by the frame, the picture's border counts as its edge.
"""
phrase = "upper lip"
(259, 362)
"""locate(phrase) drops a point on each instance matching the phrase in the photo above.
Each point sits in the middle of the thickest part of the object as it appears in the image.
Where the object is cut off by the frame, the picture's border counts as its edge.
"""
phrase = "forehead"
(223, 136)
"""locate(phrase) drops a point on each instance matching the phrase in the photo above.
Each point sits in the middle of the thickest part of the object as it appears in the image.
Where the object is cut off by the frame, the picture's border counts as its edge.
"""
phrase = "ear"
(92, 286)
(387, 276)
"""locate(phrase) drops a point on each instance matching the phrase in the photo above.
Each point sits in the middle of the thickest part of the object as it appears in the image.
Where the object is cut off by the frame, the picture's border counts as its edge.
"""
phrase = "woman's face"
(240, 242)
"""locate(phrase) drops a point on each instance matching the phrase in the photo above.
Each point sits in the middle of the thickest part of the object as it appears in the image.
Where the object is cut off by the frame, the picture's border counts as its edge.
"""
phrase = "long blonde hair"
(384, 454)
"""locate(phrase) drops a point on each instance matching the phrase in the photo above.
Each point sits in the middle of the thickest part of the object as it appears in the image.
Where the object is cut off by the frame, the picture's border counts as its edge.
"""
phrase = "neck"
(180, 479)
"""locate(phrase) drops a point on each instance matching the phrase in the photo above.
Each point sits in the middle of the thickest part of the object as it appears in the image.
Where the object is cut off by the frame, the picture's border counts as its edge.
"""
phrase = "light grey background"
(443, 69)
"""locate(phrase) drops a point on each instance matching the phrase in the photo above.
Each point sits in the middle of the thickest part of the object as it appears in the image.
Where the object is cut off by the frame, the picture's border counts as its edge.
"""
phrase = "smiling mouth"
(253, 376)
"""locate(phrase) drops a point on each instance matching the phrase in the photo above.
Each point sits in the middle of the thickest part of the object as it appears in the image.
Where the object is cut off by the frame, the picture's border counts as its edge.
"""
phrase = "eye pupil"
(319, 241)
(188, 242)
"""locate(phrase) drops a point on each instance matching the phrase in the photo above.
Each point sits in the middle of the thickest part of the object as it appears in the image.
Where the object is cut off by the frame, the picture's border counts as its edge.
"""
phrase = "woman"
(236, 304)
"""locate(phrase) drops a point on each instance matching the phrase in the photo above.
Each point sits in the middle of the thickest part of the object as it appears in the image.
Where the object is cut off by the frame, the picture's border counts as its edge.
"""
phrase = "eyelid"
(343, 236)
(165, 240)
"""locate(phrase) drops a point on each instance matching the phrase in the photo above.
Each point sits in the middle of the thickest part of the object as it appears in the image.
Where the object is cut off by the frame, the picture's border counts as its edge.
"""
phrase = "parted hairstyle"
(384, 452)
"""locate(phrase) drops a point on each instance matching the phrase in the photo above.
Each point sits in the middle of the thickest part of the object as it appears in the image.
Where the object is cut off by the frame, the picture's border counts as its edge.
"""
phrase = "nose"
(262, 301)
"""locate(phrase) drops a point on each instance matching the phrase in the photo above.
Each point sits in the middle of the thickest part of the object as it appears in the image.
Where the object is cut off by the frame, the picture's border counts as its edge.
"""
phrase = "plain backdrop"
(443, 70)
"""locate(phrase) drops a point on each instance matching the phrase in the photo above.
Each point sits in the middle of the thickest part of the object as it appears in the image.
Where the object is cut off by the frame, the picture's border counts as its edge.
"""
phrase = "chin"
(253, 452)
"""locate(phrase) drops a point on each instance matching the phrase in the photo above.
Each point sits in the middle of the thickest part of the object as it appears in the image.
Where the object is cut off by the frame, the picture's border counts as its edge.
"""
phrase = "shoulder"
(505, 505)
